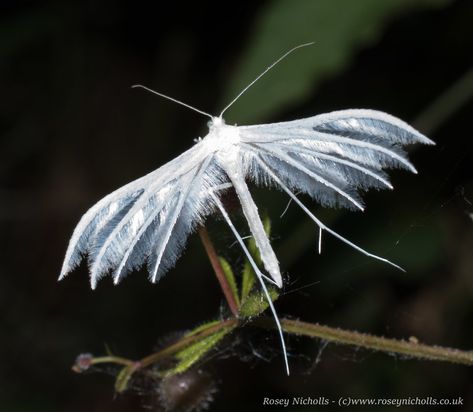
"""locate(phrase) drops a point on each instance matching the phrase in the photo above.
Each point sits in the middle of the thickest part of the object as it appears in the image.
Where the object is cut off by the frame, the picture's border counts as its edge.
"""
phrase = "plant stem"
(345, 337)
(162, 354)
(186, 341)
(105, 359)
(313, 330)
(213, 257)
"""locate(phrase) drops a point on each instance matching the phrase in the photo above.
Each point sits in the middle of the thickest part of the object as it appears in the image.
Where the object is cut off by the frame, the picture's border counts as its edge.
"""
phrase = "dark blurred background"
(72, 130)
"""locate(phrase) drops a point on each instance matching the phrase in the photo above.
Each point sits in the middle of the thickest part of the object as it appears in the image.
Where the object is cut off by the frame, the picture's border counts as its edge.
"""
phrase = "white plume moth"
(329, 157)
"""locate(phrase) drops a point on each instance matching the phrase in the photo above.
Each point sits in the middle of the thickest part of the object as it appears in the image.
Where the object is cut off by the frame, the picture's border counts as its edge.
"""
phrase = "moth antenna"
(136, 86)
(263, 73)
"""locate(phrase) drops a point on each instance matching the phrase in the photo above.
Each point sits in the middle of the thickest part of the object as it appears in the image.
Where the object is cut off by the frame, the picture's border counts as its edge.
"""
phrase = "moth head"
(215, 123)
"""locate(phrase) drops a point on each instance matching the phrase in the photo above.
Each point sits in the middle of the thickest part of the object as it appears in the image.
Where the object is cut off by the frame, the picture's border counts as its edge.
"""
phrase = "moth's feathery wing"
(191, 205)
(113, 229)
(331, 156)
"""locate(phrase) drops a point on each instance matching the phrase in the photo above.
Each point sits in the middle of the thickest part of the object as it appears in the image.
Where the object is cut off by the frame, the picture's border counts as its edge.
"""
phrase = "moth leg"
(223, 186)
(250, 211)
(259, 275)
(320, 240)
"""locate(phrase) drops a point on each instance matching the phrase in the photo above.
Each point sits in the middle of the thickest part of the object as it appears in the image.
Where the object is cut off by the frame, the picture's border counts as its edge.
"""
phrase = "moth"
(331, 157)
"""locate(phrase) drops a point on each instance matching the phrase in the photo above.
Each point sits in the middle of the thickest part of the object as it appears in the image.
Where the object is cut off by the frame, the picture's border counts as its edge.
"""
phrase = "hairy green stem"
(410, 348)
(403, 347)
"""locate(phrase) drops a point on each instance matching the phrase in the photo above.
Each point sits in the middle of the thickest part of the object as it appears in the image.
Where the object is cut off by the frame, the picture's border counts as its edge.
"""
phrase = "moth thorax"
(222, 136)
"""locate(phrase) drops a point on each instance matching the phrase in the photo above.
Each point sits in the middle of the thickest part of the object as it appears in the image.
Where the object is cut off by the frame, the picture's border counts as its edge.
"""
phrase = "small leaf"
(248, 274)
(193, 353)
(256, 303)
(248, 280)
(227, 270)
(123, 378)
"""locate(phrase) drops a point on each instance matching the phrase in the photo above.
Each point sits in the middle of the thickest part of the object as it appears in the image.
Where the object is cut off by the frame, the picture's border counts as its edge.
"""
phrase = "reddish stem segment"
(217, 267)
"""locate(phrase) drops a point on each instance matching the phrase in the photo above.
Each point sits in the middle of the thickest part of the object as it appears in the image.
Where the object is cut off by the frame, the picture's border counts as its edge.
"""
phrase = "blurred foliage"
(338, 28)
